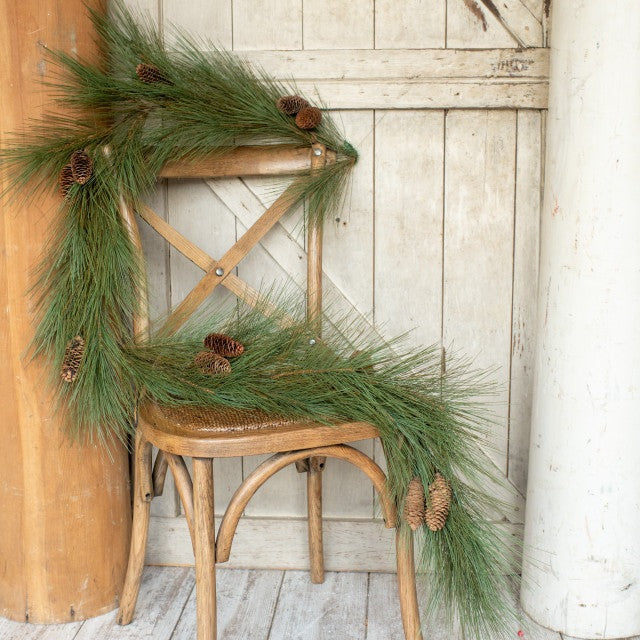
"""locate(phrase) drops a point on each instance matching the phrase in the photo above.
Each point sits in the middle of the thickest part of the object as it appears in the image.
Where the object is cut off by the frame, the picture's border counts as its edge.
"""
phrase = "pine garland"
(128, 116)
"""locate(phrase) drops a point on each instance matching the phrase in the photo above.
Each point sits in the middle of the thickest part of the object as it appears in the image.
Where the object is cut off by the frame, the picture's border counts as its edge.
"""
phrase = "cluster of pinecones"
(219, 347)
(72, 359)
(77, 171)
(432, 511)
(307, 117)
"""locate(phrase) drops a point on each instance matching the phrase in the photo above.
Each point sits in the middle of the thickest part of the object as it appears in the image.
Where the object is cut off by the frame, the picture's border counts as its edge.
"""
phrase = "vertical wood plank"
(412, 24)
(328, 24)
(209, 19)
(408, 226)
(478, 246)
(334, 609)
(408, 223)
(475, 28)
(271, 24)
(525, 280)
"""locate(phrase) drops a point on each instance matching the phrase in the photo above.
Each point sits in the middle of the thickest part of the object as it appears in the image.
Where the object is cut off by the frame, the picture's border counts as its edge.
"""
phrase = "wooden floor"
(256, 605)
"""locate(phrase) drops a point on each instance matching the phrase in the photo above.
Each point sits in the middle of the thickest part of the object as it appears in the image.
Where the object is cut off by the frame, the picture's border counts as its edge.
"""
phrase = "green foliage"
(210, 102)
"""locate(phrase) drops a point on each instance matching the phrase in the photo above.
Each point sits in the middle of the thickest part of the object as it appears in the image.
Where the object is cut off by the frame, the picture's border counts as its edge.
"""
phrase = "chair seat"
(219, 433)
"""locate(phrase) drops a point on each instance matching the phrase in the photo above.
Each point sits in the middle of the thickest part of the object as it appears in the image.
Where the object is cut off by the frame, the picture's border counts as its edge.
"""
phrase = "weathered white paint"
(582, 574)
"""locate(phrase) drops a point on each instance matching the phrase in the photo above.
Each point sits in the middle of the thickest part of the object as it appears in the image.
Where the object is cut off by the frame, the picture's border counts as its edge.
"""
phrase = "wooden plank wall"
(444, 100)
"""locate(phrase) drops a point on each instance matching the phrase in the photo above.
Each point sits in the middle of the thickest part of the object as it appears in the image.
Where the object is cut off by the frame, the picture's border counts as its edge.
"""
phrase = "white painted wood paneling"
(269, 24)
(332, 24)
(478, 247)
(525, 277)
(412, 24)
(210, 20)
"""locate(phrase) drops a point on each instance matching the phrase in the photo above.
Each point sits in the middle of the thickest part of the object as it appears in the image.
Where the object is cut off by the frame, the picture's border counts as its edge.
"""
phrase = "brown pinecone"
(73, 356)
(291, 104)
(65, 180)
(224, 345)
(309, 118)
(414, 504)
(81, 166)
(439, 503)
(149, 74)
(210, 362)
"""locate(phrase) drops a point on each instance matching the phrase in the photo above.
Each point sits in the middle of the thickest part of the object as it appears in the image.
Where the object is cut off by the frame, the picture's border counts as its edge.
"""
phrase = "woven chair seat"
(201, 431)
(220, 420)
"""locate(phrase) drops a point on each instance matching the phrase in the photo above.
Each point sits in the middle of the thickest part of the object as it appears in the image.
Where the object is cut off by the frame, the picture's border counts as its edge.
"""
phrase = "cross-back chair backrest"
(276, 160)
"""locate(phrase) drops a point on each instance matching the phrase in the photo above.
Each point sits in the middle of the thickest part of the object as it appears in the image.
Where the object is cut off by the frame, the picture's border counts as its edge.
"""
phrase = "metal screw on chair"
(317, 151)
(219, 271)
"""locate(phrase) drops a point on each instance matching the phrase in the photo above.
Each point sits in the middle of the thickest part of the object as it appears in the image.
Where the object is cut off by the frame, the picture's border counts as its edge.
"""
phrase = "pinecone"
(73, 356)
(81, 166)
(291, 104)
(150, 74)
(439, 503)
(65, 180)
(224, 345)
(210, 362)
(309, 118)
(414, 504)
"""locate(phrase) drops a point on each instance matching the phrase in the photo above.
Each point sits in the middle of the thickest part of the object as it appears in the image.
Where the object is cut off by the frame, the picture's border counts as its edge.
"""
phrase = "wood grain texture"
(204, 549)
(211, 20)
(273, 24)
(412, 24)
(383, 617)
(407, 593)
(246, 603)
(53, 568)
(478, 246)
(327, 25)
(525, 278)
(163, 594)
(334, 609)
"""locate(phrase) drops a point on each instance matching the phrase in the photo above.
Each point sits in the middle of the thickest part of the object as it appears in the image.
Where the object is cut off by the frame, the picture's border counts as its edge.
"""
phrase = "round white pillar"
(581, 570)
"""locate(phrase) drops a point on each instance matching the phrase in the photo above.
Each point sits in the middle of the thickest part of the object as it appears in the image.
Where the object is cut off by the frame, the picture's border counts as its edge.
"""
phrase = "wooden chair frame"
(308, 451)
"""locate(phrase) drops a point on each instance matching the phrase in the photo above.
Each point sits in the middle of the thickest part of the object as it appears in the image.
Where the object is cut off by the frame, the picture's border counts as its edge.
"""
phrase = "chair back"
(273, 160)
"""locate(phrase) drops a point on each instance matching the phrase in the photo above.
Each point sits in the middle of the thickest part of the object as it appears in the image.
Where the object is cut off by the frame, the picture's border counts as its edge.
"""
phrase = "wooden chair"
(205, 435)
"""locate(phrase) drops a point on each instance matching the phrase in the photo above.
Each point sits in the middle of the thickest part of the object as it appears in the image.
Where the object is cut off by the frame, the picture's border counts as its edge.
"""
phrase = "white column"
(581, 571)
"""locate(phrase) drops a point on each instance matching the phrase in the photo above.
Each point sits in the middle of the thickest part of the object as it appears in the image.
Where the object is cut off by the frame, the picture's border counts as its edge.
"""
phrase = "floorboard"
(10, 630)
(259, 605)
(163, 594)
(334, 609)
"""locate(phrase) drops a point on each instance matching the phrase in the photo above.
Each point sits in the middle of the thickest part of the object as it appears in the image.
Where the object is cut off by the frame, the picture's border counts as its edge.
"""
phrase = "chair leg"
(407, 585)
(314, 511)
(204, 548)
(142, 496)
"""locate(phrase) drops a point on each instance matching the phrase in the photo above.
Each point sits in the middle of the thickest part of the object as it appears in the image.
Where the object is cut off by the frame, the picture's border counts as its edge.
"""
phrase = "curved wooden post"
(184, 485)
(407, 584)
(271, 466)
(142, 496)
(55, 494)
